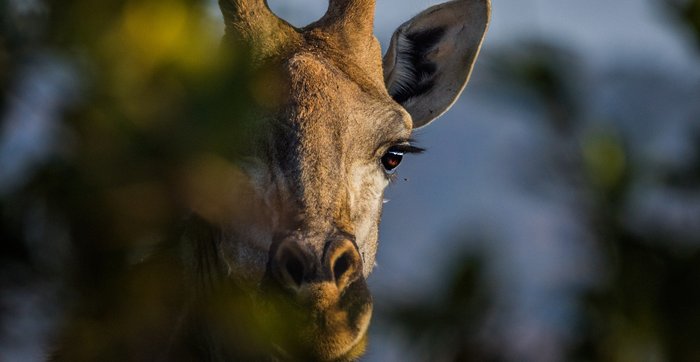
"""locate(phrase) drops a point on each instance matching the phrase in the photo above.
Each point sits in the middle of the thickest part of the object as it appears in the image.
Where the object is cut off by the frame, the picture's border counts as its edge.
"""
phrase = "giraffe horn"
(252, 22)
(351, 20)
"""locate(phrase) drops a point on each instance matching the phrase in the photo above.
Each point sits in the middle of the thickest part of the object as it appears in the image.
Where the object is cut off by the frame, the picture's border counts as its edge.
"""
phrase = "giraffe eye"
(393, 156)
(391, 159)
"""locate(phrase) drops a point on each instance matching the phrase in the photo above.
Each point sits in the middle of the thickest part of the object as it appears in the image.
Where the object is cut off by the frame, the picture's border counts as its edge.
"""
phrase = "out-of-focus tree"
(688, 11)
(644, 306)
(119, 115)
(117, 118)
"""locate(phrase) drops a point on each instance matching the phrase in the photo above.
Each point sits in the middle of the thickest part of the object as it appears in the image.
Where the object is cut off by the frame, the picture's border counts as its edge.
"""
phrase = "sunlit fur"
(315, 171)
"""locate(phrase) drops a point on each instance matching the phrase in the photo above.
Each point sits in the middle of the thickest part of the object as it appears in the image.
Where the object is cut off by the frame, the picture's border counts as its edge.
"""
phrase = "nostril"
(295, 270)
(343, 261)
(290, 265)
(342, 264)
(293, 265)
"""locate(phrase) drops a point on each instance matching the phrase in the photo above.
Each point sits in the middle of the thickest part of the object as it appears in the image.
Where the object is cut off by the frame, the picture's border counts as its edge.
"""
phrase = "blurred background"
(555, 216)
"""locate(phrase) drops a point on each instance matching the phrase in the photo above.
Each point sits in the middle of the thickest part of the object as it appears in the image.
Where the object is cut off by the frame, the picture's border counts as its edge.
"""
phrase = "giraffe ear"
(431, 57)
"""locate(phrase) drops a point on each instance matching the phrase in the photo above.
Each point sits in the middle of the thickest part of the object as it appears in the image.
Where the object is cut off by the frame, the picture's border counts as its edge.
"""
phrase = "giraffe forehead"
(331, 101)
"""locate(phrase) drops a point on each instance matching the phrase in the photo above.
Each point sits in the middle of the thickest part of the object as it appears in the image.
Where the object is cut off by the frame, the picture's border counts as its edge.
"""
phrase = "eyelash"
(406, 148)
(393, 156)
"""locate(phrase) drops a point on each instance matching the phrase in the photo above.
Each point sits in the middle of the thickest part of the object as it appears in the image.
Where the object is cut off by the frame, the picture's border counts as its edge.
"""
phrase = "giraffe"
(291, 254)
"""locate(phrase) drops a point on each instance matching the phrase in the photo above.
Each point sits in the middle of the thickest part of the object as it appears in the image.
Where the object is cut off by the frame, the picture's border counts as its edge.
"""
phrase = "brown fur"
(319, 175)
(316, 178)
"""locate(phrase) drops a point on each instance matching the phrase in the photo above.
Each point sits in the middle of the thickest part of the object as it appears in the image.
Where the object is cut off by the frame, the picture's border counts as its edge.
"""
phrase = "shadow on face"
(309, 307)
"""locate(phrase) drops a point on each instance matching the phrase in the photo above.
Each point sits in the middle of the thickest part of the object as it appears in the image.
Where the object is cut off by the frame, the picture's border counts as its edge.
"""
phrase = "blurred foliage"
(155, 96)
(687, 177)
(540, 71)
(646, 307)
(162, 114)
(688, 11)
(447, 327)
(161, 118)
